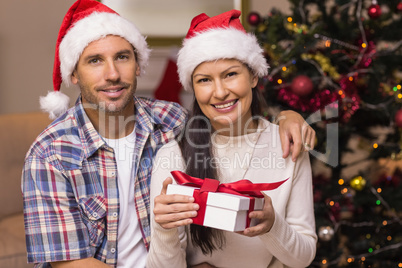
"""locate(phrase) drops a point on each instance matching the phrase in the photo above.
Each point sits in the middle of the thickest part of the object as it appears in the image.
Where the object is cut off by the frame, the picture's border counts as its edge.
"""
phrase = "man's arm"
(296, 135)
(52, 218)
(87, 263)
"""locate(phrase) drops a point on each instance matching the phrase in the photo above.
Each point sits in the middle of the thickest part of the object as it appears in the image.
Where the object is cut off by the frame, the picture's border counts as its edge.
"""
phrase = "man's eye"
(94, 61)
(122, 57)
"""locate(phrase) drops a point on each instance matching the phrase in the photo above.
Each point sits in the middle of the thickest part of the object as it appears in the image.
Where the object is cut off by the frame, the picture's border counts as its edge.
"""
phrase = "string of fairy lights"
(322, 63)
(363, 55)
(326, 233)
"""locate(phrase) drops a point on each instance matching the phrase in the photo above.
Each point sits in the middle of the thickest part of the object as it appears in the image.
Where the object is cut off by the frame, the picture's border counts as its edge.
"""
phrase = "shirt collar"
(90, 138)
(144, 115)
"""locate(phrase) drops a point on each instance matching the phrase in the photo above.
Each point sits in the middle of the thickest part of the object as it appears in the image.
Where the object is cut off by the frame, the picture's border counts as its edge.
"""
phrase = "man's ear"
(74, 78)
(137, 70)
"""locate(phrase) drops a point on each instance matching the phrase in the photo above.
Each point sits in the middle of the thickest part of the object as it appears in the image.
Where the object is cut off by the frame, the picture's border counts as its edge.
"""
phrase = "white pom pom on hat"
(87, 21)
(219, 37)
(55, 103)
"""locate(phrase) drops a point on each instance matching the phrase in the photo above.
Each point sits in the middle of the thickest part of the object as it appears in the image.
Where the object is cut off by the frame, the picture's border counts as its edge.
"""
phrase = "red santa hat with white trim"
(87, 21)
(219, 37)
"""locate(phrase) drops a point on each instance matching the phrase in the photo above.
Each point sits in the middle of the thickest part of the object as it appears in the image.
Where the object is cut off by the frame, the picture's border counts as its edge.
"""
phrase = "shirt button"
(112, 173)
(114, 214)
(113, 250)
(95, 214)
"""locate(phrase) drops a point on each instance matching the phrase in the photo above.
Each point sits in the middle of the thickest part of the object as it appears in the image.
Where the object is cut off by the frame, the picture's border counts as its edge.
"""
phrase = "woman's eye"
(203, 80)
(231, 74)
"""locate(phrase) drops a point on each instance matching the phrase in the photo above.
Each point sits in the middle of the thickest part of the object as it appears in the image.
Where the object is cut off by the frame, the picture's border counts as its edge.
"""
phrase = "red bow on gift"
(241, 187)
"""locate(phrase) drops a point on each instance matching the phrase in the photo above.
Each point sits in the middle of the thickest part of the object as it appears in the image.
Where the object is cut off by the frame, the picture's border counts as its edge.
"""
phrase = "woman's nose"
(220, 91)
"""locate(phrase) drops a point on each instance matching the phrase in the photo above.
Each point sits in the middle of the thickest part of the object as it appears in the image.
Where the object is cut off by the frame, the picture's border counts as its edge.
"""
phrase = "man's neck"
(112, 126)
(117, 127)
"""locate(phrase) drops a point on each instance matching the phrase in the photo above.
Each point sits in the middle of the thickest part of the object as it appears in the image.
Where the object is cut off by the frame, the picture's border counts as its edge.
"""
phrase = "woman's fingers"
(175, 220)
(174, 210)
(266, 218)
(165, 184)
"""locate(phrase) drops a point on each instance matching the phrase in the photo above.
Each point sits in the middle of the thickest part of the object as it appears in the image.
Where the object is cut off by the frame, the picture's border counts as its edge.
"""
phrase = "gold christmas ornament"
(358, 183)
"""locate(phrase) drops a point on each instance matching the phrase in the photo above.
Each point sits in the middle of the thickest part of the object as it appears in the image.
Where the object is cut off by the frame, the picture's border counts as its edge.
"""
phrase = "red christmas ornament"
(399, 7)
(398, 118)
(253, 18)
(374, 11)
(302, 85)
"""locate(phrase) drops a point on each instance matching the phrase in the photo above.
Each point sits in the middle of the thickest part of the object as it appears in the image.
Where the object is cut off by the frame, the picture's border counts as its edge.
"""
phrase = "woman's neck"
(237, 129)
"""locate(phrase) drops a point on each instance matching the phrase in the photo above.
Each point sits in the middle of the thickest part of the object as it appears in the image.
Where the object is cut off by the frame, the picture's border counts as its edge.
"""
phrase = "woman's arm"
(290, 237)
(168, 246)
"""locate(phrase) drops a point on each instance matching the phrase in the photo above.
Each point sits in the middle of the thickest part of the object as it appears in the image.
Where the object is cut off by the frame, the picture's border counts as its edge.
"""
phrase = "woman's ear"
(254, 81)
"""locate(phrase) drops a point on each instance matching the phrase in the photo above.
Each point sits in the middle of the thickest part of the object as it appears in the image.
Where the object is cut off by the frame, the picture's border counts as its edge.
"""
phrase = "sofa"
(17, 132)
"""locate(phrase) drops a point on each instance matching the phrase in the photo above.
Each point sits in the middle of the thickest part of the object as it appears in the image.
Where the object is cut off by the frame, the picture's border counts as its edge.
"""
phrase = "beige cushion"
(17, 133)
(12, 242)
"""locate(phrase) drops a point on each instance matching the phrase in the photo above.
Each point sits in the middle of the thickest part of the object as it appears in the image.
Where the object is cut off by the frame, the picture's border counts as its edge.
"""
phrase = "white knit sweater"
(291, 242)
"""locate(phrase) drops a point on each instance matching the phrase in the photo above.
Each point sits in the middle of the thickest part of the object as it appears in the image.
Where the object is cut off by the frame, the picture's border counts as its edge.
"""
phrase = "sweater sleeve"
(292, 238)
(168, 246)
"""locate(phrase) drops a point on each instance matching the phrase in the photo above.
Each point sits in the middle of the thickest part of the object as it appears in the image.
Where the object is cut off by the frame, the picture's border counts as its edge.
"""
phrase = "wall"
(28, 32)
(264, 6)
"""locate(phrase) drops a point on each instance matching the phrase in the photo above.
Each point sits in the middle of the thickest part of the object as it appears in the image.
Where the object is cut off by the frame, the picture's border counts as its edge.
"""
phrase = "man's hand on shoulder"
(296, 135)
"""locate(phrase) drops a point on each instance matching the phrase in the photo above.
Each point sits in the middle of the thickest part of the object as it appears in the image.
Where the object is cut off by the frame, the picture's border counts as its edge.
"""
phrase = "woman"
(228, 140)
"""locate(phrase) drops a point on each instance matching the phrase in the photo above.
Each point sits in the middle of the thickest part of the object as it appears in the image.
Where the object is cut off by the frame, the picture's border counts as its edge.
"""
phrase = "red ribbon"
(241, 187)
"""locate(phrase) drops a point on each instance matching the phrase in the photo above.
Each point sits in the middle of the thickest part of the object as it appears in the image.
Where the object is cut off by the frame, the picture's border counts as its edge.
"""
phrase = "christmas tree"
(339, 64)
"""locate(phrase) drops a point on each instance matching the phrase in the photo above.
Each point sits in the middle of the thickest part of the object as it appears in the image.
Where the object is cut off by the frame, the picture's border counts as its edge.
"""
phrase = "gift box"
(224, 206)
(223, 211)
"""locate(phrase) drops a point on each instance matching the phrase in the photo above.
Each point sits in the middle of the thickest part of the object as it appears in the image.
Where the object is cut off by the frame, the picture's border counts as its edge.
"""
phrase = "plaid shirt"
(69, 183)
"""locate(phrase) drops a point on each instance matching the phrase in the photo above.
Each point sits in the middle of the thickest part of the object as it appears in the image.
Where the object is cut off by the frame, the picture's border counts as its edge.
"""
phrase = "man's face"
(107, 76)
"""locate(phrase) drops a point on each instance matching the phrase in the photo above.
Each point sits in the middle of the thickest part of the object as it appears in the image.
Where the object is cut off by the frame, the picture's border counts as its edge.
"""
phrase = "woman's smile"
(226, 106)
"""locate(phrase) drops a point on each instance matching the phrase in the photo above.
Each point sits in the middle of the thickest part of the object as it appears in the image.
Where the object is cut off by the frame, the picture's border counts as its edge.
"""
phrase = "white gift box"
(223, 211)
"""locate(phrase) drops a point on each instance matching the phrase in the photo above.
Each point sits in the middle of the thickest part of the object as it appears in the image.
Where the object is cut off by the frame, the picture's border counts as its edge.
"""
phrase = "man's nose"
(111, 71)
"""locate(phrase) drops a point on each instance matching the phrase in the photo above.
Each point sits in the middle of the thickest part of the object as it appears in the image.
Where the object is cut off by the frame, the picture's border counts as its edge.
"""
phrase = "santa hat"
(219, 37)
(87, 21)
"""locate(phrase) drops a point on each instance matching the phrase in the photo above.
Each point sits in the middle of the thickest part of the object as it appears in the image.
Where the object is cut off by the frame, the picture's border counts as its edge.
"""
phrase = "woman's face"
(223, 91)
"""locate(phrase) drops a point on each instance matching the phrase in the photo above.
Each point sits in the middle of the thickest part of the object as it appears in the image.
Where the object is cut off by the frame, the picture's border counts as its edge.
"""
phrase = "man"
(89, 171)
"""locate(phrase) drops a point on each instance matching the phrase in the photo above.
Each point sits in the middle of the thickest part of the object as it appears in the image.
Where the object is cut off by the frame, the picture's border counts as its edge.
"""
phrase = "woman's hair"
(197, 154)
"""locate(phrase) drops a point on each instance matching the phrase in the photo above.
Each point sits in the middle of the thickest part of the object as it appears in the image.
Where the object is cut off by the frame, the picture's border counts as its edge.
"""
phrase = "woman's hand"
(174, 210)
(296, 135)
(266, 218)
